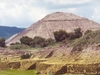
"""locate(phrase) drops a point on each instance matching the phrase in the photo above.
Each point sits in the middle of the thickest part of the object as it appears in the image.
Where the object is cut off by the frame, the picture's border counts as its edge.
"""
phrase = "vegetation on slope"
(63, 35)
(19, 46)
(38, 41)
(90, 38)
(75, 39)
(2, 42)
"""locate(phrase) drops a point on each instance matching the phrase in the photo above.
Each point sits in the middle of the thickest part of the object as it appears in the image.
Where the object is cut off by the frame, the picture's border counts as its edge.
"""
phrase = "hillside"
(75, 57)
(78, 57)
(92, 38)
(6, 32)
(53, 22)
(81, 49)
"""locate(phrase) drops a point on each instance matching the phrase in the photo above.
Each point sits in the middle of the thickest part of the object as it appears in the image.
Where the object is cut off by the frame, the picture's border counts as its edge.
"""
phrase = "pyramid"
(54, 22)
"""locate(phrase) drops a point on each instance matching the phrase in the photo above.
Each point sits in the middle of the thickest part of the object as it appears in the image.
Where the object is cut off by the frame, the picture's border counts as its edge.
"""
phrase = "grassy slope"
(16, 72)
(88, 39)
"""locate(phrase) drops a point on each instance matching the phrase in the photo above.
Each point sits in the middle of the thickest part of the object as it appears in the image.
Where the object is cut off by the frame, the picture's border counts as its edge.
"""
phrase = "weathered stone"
(54, 22)
(9, 65)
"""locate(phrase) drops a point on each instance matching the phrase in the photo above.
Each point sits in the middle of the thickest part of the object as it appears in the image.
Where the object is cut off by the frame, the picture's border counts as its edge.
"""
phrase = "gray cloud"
(23, 13)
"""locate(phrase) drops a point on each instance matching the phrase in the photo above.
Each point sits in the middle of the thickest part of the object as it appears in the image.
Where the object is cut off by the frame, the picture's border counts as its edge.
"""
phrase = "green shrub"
(60, 35)
(19, 46)
(88, 39)
(15, 43)
(77, 32)
(51, 41)
(12, 44)
(41, 42)
(2, 42)
(44, 44)
(32, 44)
(26, 40)
(25, 56)
(88, 31)
(38, 40)
(71, 36)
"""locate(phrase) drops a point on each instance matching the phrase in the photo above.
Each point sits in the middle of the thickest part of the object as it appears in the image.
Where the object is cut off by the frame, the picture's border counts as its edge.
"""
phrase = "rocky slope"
(53, 22)
(61, 59)
(58, 60)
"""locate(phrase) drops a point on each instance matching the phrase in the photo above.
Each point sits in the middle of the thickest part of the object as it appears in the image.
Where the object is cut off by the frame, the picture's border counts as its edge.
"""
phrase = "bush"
(2, 42)
(51, 41)
(88, 31)
(15, 43)
(38, 40)
(77, 32)
(41, 42)
(88, 39)
(12, 44)
(33, 44)
(71, 36)
(26, 40)
(25, 56)
(44, 44)
(19, 46)
(60, 35)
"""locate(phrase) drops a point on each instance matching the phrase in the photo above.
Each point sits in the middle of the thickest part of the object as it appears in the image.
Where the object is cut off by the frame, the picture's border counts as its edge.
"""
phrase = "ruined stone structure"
(53, 22)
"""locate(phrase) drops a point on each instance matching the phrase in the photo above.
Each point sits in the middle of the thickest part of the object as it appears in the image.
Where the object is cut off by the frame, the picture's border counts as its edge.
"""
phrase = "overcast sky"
(23, 13)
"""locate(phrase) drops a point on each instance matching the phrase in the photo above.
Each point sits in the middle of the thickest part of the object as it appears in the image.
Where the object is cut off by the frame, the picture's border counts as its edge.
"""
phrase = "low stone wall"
(51, 68)
(9, 65)
(44, 68)
(56, 69)
(21, 65)
(27, 65)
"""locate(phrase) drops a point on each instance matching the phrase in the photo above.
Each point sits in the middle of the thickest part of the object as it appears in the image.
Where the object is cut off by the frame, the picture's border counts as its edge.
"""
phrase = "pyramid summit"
(54, 22)
(61, 16)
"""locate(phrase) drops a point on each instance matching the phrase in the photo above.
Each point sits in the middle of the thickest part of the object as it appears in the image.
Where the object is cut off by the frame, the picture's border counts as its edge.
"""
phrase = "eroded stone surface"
(54, 22)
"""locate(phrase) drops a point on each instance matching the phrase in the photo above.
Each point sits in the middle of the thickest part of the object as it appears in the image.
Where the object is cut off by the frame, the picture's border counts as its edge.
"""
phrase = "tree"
(2, 42)
(38, 40)
(77, 32)
(60, 35)
(26, 40)
(71, 36)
